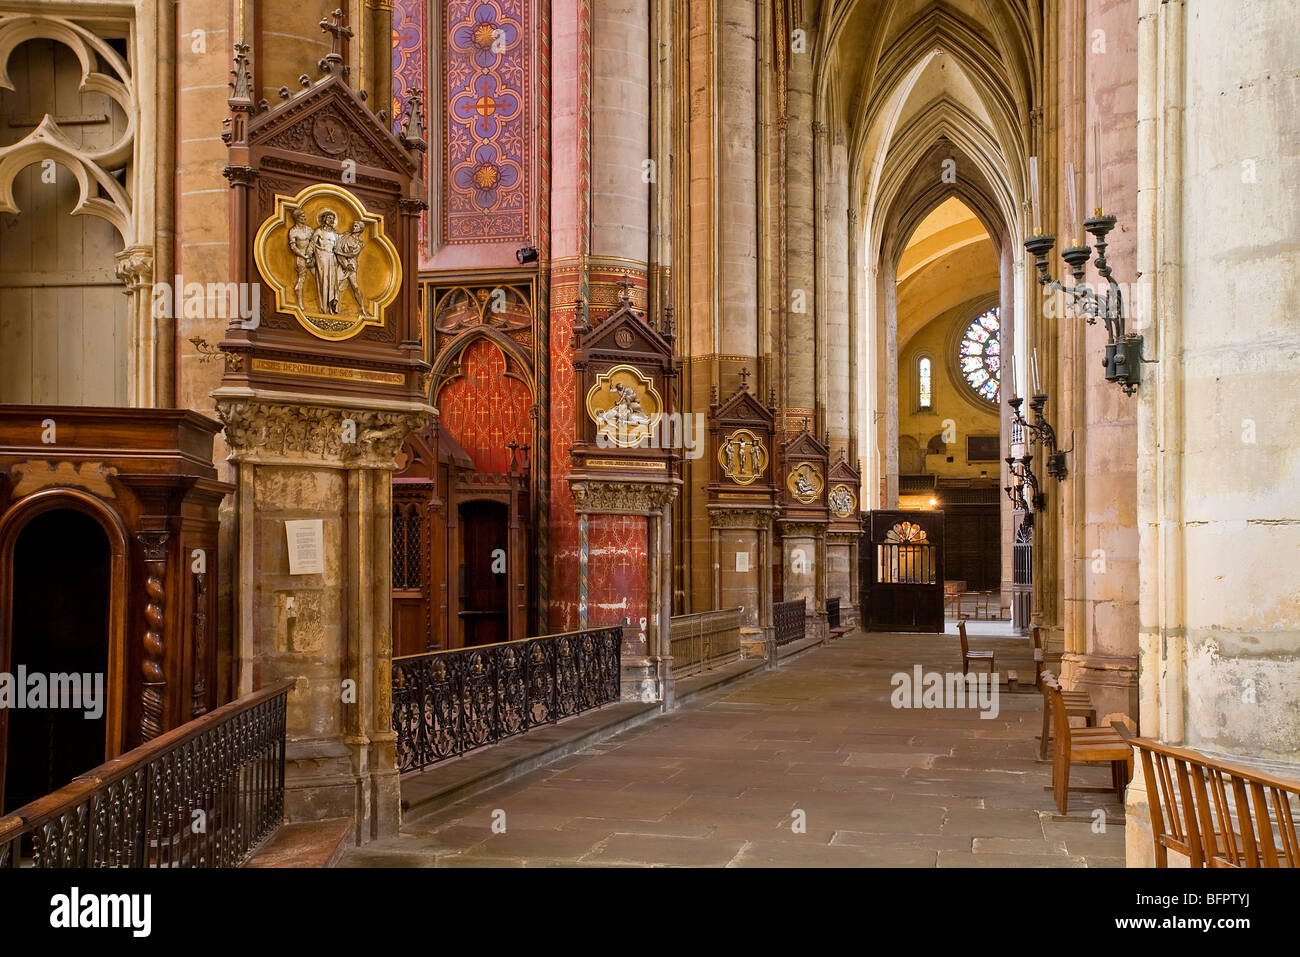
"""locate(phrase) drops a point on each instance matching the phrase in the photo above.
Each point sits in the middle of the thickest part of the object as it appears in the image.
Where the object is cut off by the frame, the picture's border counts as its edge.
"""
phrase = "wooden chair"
(1078, 704)
(1223, 815)
(1085, 746)
(967, 656)
(1041, 658)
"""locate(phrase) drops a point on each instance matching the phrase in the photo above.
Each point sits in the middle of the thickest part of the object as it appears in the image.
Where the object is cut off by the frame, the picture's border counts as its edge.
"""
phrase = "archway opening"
(948, 287)
(59, 629)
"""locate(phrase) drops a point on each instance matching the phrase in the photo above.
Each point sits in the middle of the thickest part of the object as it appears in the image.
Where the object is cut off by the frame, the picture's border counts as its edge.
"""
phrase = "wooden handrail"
(498, 644)
(83, 785)
(1239, 770)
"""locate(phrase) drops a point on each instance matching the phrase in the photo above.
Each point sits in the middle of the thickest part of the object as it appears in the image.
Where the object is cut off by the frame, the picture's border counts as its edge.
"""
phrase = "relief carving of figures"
(626, 413)
(325, 262)
(805, 483)
(347, 249)
(841, 501)
(325, 236)
(300, 242)
(743, 457)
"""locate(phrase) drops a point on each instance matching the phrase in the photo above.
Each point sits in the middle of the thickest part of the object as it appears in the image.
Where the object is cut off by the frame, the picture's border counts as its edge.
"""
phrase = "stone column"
(308, 458)
(1217, 417)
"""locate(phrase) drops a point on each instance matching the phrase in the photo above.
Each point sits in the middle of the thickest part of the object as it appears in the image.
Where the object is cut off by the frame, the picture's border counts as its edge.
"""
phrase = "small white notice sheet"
(742, 561)
(306, 546)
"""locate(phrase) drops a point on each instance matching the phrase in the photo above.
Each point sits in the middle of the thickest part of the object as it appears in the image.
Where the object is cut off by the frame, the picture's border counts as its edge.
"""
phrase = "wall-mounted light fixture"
(526, 255)
(1123, 359)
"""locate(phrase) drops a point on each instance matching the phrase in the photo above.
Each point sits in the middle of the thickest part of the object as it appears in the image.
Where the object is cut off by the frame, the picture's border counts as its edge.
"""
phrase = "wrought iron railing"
(832, 612)
(446, 703)
(201, 795)
(788, 619)
(704, 640)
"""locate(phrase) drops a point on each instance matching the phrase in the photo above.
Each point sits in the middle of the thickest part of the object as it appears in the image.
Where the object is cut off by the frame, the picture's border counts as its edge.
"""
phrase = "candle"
(1037, 388)
(1072, 203)
(1014, 391)
(1096, 173)
(1033, 195)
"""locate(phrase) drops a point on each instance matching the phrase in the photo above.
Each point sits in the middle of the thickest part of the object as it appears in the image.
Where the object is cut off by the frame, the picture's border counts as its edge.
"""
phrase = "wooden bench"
(1222, 815)
(1085, 746)
(1078, 704)
(968, 656)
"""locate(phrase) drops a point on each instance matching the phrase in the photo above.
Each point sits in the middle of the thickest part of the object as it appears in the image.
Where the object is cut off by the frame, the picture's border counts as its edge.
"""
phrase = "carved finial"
(670, 328)
(713, 395)
(625, 290)
(412, 134)
(827, 440)
(338, 31)
(771, 397)
(744, 378)
(284, 92)
(241, 82)
(304, 81)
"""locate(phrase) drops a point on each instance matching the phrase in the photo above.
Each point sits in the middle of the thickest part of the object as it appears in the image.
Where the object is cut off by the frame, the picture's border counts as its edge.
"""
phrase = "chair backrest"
(1224, 815)
(1060, 720)
(961, 631)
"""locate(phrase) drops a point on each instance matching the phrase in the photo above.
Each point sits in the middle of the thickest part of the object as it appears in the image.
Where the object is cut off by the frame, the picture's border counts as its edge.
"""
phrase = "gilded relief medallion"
(328, 260)
(842, 501)
(625, 407)
(805, 483)
(743, 457)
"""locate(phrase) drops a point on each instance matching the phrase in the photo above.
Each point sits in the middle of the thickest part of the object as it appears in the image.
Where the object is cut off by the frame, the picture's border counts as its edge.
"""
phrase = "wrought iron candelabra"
(1041, 431)
(1123, 360)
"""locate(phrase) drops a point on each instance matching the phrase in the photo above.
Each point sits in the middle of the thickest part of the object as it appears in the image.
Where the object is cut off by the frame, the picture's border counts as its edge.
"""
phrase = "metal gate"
(902, 571)
(1022, 584)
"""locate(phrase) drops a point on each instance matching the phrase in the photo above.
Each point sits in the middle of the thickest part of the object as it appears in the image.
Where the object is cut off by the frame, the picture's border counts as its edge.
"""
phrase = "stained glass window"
(980, 356)
(924, 393)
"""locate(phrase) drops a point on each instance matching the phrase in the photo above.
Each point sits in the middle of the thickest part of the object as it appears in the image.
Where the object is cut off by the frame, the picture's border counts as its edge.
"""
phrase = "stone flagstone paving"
(717, 782)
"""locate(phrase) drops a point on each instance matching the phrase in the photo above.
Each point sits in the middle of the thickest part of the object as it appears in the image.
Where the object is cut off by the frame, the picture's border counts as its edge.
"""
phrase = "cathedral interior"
(660, 432)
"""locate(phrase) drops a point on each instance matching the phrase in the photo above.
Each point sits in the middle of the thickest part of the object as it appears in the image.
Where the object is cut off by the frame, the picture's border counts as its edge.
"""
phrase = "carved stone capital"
(843, 538)
(283, 433)
(727, 516)
(135, 267)
(802, 529)
(818, 128)
(620, 498)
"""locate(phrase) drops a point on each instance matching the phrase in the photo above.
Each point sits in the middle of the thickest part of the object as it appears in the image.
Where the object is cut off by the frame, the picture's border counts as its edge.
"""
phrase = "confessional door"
(903, 571)
(58, 631)
(485, 572)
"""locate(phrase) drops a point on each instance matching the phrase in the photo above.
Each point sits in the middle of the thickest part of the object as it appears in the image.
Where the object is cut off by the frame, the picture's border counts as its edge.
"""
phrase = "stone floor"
(808, 765)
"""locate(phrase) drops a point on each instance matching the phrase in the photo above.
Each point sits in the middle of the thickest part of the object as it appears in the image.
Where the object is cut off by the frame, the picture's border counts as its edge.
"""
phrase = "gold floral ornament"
(842, 501)
(805, 483)
(906, 533)
(329, 262)
(625, 407)
(743, 457)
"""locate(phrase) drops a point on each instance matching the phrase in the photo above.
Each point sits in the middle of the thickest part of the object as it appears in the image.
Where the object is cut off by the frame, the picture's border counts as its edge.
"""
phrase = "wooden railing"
(1216, 813)
(201, 795)
(788, 620)
(446, 703)
(704, 640)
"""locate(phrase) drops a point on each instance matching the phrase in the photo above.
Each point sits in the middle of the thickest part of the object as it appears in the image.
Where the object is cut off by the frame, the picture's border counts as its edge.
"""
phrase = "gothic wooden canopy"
(325, 206)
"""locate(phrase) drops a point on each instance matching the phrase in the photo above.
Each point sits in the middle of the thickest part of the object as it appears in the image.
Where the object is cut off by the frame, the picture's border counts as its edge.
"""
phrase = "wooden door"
(904, 570)
(485, 572)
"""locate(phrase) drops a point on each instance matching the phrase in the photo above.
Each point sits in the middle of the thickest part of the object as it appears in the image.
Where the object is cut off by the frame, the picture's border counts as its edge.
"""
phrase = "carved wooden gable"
(325, 205)
(843, 483)
(624, 372)
(803, 477)
(742, 455)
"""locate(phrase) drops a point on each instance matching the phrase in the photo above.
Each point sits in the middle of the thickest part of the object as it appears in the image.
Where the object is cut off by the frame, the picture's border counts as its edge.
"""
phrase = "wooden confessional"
(460, 548)
(108, 567)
